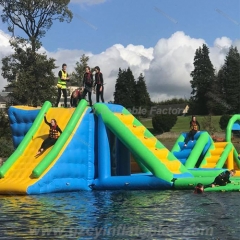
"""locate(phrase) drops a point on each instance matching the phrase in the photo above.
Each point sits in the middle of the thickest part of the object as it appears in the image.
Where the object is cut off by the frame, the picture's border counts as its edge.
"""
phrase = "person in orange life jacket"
(87, 85)
(52, 137)
(62, 85)
(194, 128)
(199, 188)
(99, 84)
(76, 96)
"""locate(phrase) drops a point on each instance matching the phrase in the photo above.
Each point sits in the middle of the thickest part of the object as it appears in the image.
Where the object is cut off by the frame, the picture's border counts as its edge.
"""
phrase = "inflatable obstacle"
(97, 149)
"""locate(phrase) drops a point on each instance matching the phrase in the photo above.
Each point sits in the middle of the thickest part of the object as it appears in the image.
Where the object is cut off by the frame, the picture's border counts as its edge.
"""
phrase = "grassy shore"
(182, 124)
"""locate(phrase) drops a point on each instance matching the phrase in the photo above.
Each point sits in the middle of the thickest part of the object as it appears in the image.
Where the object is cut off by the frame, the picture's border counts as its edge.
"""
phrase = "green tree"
(29, 72)
(34, 18)
(77, 75)
(202, 79)
(5, 130)
(142, 97)
(33, 81)
(125, 88)
(223, 122)
(231, 80)
(172, 101)
(163, 122)
(208, 125)
(217, 98)
(6, 145)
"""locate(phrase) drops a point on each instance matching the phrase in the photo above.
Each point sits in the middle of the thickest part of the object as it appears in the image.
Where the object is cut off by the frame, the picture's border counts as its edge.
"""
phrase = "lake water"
(121, 215)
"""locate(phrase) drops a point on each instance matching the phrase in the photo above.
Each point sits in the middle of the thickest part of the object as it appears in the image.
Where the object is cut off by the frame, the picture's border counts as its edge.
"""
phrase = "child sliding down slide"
(194, 128)
(52, 137)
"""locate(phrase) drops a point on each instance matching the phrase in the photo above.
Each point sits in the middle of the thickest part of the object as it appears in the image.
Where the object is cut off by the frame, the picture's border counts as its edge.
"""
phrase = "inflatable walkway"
(148, 150)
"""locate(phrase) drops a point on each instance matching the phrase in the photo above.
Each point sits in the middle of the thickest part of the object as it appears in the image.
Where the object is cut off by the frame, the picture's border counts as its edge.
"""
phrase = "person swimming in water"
(199, 188)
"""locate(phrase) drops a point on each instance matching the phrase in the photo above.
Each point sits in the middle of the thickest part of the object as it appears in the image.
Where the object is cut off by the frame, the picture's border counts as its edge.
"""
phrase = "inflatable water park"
(106, 148)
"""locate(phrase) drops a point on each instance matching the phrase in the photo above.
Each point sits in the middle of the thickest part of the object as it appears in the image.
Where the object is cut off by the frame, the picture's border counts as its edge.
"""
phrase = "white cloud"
(88, 2)
(70, 57)
(5, 50)
(219, 50)
(166, 66)
(169, 71)
(117, 56)
(4, 39)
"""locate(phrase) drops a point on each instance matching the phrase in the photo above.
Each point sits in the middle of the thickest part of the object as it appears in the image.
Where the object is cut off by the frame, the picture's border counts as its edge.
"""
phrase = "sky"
(155, 37)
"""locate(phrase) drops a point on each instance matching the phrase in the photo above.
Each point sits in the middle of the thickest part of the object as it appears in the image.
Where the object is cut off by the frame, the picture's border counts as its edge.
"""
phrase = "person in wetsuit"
(223, 178)
(194, 128)
(52, 137)
(99, 84)
(199, 188)
(76, 97)
(87, 85)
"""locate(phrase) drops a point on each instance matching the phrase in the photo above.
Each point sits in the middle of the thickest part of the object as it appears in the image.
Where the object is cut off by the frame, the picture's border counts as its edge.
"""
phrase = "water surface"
(121, 215)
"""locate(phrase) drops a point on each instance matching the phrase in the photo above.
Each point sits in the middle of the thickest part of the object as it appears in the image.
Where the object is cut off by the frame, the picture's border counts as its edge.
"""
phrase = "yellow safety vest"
(62, 83)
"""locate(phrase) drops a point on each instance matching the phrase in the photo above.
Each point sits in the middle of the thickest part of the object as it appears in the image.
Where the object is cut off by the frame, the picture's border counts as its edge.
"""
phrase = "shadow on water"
(121, 215)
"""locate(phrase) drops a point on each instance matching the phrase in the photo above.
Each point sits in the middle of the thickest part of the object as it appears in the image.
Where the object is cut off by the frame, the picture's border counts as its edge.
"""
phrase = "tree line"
(30, 75)
(28, 72)
(130, 92)
(215, 92)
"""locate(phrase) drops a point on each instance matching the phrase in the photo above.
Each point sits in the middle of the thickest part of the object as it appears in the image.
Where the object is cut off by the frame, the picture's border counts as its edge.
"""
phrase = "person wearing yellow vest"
(62, 85)
(194, 128)
(52, 137)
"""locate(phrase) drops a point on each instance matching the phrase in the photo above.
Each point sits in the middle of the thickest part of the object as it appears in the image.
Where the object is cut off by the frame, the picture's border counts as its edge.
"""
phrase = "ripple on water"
(121, 215)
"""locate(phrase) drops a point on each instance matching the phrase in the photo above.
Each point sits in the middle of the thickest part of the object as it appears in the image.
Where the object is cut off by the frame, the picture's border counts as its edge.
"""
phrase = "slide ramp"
(142, 144)
(22, 169)
(190, 154)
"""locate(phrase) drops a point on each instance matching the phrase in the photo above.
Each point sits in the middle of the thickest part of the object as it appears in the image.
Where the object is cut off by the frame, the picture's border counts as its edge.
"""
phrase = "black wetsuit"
(222, 179)
(88, 83)
(99, 83)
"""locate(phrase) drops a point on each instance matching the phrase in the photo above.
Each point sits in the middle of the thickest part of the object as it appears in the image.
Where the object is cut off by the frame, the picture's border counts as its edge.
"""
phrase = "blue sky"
(155, 37)
(143, 22)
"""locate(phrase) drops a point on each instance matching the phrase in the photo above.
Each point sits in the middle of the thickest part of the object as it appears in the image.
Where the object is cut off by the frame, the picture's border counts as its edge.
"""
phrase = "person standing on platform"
(99, 84)
(87, 85)
(62, 85)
